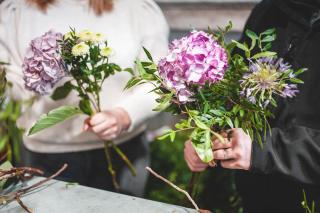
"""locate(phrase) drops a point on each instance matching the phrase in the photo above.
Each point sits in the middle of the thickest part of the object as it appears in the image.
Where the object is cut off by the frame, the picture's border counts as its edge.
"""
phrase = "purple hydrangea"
(43, 67)
(193, 60)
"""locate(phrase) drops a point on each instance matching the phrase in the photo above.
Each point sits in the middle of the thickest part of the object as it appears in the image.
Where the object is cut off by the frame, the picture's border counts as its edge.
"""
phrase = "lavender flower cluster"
(43, 67)
(267, 76)
(193, 60)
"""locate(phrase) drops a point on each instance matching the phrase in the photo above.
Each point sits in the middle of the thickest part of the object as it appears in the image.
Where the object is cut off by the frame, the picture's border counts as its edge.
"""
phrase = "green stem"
(110, 166)
(124, 158)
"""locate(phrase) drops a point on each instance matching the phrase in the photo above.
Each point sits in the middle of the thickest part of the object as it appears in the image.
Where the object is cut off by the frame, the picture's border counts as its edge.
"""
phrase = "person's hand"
(108, 125)
(195, 164)
(235, 154)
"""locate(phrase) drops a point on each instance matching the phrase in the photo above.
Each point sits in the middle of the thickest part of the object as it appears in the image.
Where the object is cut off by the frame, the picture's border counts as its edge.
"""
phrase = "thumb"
(86, 124)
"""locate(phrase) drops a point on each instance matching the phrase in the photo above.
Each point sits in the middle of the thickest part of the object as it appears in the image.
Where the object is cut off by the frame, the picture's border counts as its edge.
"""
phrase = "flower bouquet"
(214, 90)
(84, 58)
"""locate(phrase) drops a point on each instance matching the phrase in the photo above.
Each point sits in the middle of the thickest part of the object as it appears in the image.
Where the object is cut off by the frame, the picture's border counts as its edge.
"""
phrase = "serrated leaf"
(54, 117)
(264, 54)
(62, 92)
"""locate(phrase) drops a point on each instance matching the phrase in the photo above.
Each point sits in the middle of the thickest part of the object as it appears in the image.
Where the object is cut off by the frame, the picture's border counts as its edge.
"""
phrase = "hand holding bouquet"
(84, 58)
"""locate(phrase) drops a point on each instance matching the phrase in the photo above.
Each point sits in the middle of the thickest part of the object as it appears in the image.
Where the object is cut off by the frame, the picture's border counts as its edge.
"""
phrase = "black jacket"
(290, 159)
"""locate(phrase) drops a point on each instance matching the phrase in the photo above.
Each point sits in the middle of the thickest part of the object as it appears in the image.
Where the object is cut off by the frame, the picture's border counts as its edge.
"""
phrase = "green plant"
(10, 134)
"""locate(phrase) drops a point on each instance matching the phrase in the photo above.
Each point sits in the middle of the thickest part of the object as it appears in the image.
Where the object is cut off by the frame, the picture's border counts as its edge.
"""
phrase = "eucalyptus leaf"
(54, 117)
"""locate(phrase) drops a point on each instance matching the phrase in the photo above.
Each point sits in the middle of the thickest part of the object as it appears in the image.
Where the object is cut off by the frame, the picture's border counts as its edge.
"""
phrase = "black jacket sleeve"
(292, 152)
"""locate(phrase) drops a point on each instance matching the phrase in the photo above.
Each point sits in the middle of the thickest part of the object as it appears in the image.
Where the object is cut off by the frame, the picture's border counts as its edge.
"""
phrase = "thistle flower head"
(267, 76)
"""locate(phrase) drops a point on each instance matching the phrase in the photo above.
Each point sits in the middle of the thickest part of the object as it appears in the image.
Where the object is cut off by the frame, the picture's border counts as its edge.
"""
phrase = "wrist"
(123, 117)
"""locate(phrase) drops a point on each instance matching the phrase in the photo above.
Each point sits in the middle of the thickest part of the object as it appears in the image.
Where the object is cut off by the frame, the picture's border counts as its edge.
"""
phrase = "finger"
(86, 124)
(100, 128)
(194, 160)
(223, 154)
(108, 132)
(218, 145)
(98, 119)
(109, 137)
(229, 164)
(195, 168)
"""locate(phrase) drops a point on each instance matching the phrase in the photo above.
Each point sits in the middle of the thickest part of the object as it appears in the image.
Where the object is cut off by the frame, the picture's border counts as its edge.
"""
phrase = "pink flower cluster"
(43, 67)
(193, 60)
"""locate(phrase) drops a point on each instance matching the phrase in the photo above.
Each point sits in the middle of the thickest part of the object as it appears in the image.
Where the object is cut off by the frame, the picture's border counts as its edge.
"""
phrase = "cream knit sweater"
(129, 26)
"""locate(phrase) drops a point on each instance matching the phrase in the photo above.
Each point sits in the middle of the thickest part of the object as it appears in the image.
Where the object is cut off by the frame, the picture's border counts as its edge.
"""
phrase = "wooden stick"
(175, 187)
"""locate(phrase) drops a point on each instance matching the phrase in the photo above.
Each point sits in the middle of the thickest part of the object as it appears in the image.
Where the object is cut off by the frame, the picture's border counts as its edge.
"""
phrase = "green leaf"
(296, 80)
(62, 92)
(241, 46)
(269, 38)
(54, 117)
(229, 122)
(129, 70)
(241, 112)
(5, 166)
(217, 112)
(172, 136)
(300, 71)
(204, 150)
(264, 54)
(251, 34)
(218, 136)
(165, 103)
(269, 31)
(85, 106)
(4, 142)
(132, 82)
(200, 124)
(148, 54)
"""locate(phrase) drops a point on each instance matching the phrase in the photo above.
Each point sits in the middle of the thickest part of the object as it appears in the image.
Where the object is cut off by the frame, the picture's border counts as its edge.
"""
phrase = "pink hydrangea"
(43, 67)
(193, 60)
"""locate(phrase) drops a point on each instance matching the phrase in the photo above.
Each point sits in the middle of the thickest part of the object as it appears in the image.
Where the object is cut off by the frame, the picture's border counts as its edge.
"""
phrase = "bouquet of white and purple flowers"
(83, 58)
(215, 90)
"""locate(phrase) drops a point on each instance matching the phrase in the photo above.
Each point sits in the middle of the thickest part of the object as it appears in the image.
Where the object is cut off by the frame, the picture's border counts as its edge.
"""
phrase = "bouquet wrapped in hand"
(83, 58)
(214, 90)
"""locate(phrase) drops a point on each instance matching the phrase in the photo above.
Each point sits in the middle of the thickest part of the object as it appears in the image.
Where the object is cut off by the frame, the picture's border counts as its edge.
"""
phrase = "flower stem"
(124, 158)
(110, 166)
(193, 184)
